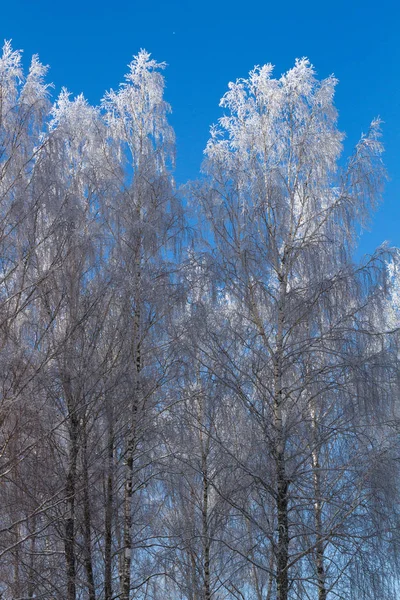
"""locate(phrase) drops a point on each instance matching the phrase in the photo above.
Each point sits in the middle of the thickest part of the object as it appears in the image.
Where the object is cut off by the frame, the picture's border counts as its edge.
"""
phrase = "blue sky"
(206, 44)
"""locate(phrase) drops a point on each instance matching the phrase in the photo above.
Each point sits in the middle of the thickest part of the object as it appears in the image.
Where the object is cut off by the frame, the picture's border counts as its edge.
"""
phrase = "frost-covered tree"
(70, 179)
(24, 106)
(217, 424)
(144, 219)
(295, 317)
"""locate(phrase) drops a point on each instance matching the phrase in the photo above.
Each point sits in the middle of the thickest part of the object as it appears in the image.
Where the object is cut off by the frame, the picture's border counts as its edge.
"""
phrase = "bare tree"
(215, 427)
(144, 220)
(282, 219)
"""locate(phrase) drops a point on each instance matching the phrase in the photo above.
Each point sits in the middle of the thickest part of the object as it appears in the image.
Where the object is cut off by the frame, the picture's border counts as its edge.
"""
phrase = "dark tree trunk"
(282, 559)
(318, 504)
(206, 538)
(70, 489)
(130, 452)
(87, 522)
(282, 554)
(108, 514)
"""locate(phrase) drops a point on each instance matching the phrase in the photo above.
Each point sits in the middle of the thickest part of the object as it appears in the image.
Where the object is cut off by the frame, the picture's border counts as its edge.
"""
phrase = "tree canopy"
(199, 386)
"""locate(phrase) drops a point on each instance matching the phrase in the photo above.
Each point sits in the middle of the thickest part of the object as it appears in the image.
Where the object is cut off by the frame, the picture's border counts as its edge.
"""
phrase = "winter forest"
(199, 387)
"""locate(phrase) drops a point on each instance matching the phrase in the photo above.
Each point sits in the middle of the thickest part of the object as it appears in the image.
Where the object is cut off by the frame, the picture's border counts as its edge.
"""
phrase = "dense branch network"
(195, 417)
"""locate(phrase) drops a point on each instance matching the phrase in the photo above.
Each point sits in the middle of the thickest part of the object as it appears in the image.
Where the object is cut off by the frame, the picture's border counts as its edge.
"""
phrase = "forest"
(199, 384)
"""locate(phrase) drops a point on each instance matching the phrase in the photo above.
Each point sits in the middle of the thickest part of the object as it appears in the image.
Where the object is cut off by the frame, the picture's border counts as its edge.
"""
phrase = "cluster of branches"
(199, 398)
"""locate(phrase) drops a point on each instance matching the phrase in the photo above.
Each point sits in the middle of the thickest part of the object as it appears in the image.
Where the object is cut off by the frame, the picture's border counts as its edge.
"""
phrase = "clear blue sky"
(206, 44)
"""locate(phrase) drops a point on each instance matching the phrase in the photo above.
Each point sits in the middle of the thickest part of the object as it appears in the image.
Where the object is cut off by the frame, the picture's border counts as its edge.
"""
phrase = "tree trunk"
(128, 493)
(318, 505)
(130, 451)
(70, 488)
(282, 559)
(87, 524)
(17, 561)
(108, 514)
(205, 536)
(282, 554)
(32, 550)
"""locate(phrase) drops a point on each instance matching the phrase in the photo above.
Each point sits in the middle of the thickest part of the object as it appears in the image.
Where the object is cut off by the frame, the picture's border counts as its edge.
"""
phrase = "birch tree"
(144, 219)
(70, 169)
(24, 107)
(283, 218)
(215, 425)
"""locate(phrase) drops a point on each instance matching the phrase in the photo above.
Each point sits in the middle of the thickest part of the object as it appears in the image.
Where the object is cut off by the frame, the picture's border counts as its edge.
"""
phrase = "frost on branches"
(208, 416)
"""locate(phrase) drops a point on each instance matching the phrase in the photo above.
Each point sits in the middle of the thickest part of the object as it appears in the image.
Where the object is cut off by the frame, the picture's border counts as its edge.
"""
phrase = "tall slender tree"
(216, 427)
(144, 219)
(283, 220)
